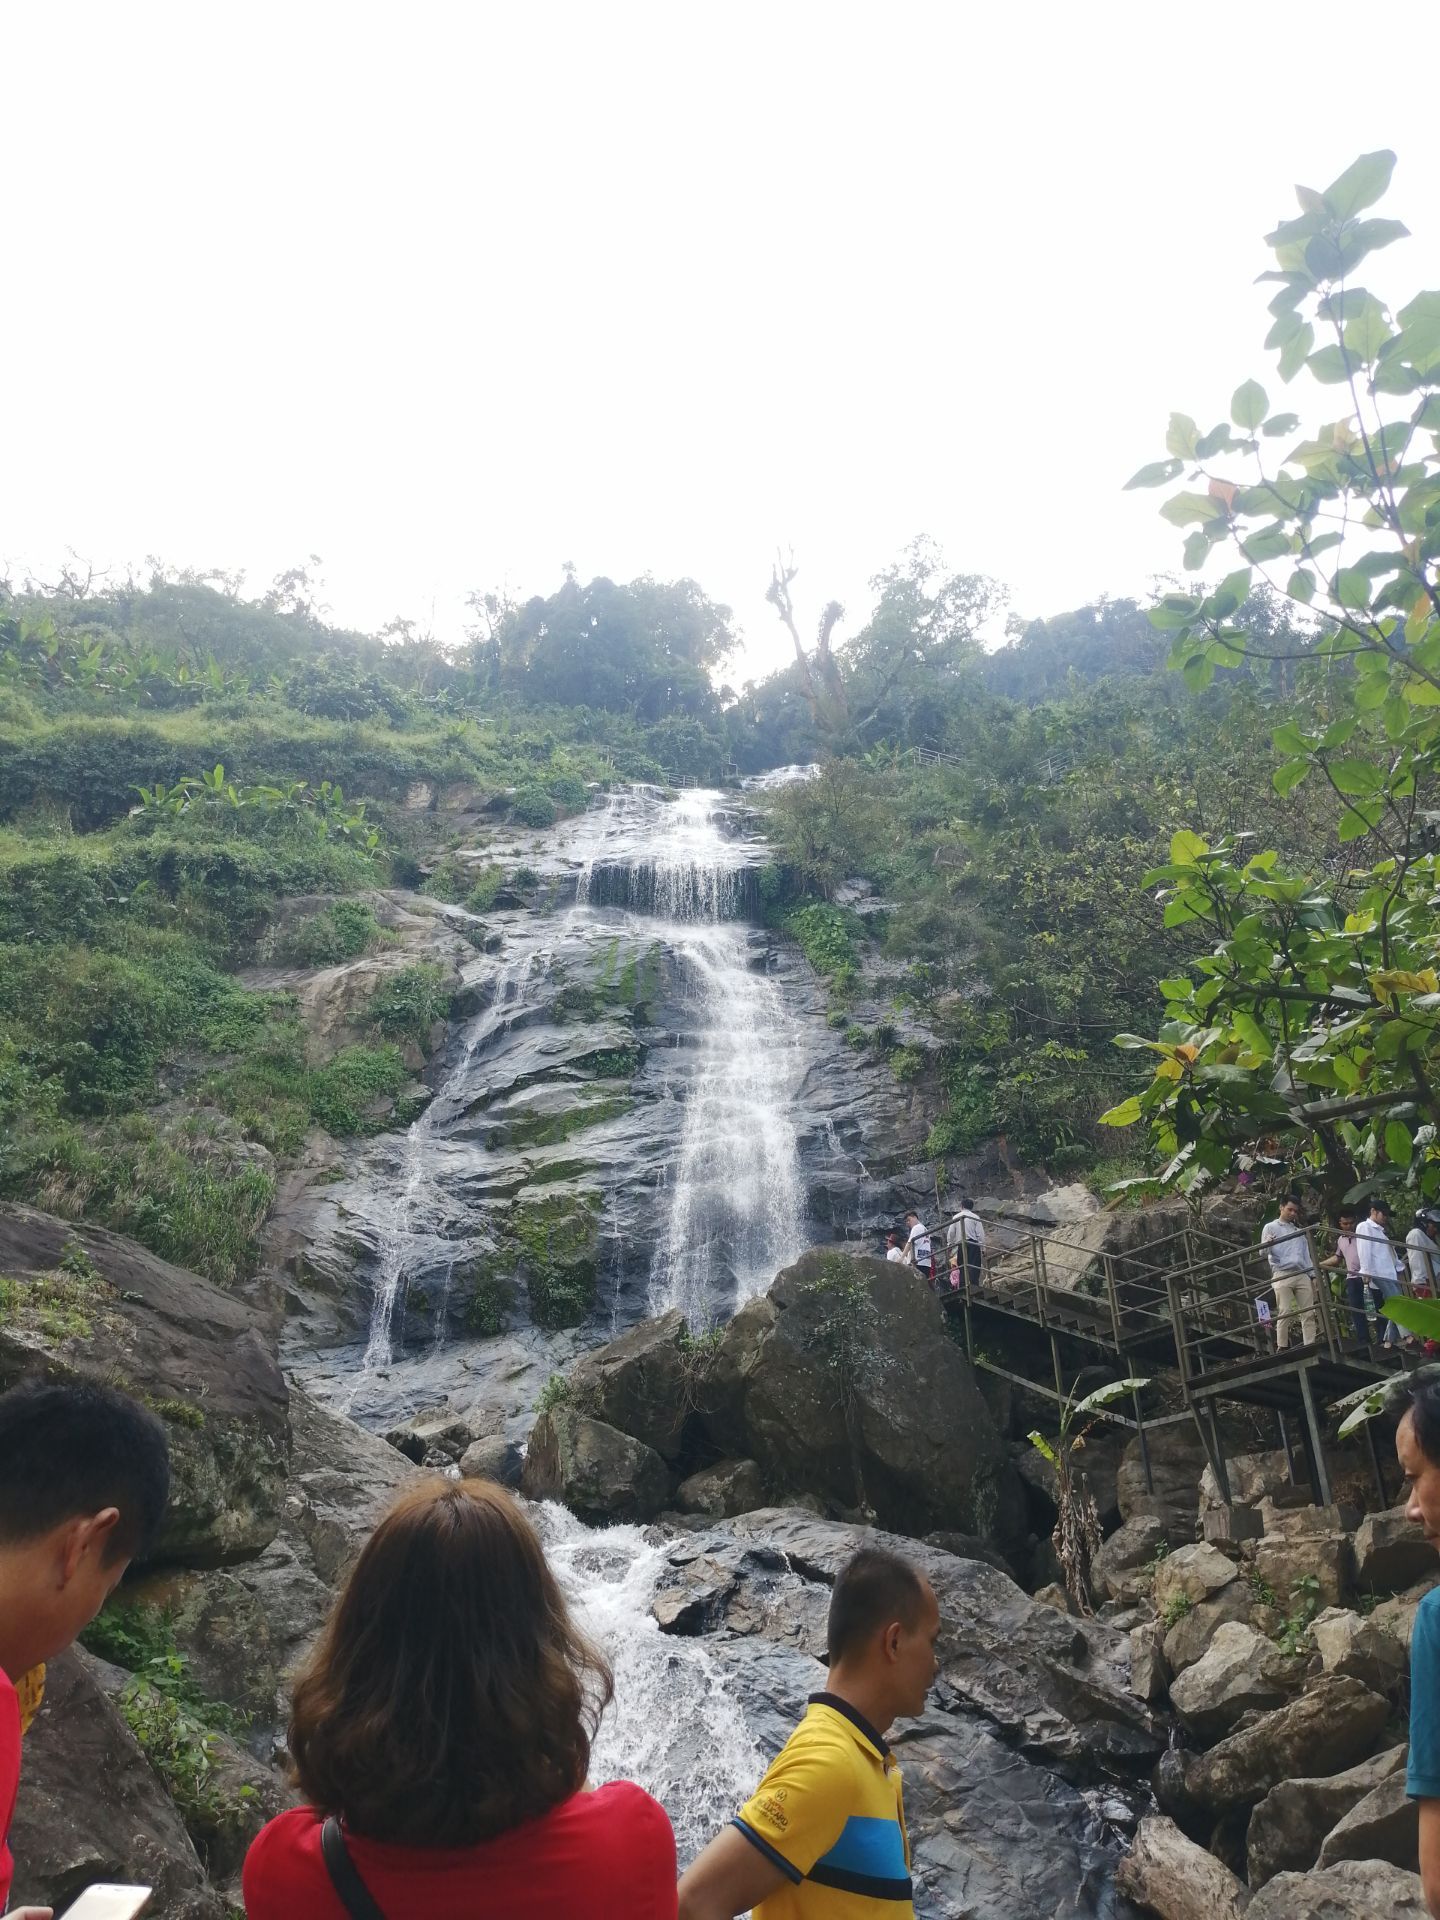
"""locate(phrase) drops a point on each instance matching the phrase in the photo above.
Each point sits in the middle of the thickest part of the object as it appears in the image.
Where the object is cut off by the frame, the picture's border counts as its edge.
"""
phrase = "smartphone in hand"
(108, 1902)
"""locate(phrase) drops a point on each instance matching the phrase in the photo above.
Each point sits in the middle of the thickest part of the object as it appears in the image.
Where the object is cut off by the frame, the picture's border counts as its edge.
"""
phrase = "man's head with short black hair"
(881, 1635)
(872, 1588)
(912, 1215)
(967, 1205)
(1379, 1207)
(84, 1478)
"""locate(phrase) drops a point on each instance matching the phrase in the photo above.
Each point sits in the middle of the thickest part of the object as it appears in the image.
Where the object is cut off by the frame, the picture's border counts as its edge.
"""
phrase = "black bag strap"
(355, 1896)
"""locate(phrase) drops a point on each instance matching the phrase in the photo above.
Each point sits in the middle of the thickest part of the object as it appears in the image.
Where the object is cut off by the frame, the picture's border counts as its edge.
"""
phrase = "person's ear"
(892, 1640)
(91, 1534)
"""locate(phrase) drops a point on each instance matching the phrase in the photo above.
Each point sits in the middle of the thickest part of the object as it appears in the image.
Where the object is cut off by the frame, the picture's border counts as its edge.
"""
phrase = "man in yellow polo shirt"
(824, 1836)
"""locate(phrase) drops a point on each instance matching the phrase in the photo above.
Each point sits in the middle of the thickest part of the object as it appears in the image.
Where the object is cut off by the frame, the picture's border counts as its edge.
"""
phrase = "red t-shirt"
(9, 1779)
(607, 1855)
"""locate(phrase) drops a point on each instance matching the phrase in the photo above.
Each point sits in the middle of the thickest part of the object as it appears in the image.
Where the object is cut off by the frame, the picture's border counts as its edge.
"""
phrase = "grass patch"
(558, 1242)
(340, 932)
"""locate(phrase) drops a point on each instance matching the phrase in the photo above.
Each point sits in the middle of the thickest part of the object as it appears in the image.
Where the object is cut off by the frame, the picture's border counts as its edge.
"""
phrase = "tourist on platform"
(893, 1249)
(1417, 1443)
(1423, 1256)
(440, 1734)
(1286, 1245)
(1347, 1257)
(1378, 1263)
(824, 1834)
(919, 1252)
(84, 1478)
(966, 1236)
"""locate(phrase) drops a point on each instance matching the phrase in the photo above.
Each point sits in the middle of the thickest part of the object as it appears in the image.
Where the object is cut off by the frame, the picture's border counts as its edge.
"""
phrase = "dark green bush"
(534, 807)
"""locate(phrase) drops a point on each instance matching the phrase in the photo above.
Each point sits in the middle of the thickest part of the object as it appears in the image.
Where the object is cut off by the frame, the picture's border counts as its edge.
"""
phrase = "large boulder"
(1171, 1876)
(1190, 1576)
(91, 1305)
(594, 1469)
(1372, 1651)
(1287, 1828)
(840, 1382)
(1392, 1553)
(1054, 1687)
(91, 1807)
(493, 1458)
(639, 1382)
(1189, 1636)
(1125, 1565)
(727, 1488)
(1332, 1726)
(1240, 1672)
(1177, 1460)
(1385, 1825)
(1353, 1890)
(1283, 1561)
(243, 1627)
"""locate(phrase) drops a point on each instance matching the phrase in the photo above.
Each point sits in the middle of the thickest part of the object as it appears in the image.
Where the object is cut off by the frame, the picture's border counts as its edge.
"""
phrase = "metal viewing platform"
(1190, 1302)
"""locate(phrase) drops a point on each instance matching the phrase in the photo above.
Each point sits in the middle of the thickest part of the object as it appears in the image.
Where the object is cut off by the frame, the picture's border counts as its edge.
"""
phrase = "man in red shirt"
(84, 1477)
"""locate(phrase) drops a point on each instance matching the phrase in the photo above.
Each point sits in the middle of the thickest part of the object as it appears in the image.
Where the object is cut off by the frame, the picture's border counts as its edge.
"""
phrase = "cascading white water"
(736, 1197)
(419, 1222)
(672, 1726)
(733, 1186)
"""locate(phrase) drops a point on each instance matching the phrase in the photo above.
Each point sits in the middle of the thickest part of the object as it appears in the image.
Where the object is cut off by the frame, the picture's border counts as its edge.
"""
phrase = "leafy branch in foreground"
(1316, 1016)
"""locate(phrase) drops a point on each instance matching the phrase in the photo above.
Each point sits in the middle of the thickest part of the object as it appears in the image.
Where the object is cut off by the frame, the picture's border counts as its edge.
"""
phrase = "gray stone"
(1053, 1595)
(1352, 1890)
(92, 1808)
(1253, 1477)
(1288, 1826)
(1332, 1726)
(916, 1448)
(1385, 1825)
(1370, 1651)
(640, 1383)
(1240, 1672)
(1391, 1553)
(1177, 1460)
(1324, 1557)
(727, 1488)
(1187, 1639)
(1123, 1566)
(597, 1471)
(1220, 1525)
(1149, 1669)
(198, 1355)
(493, 1458)
(434, 1430)
(1173, 1877)
(1195, 1574)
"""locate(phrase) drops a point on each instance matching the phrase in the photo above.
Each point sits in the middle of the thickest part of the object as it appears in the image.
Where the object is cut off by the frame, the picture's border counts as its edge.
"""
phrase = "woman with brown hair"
(441, 1735)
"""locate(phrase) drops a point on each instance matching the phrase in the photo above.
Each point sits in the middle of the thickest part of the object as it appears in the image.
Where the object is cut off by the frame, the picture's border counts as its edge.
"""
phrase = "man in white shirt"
(1423, 1256)
(1286, 1245)
(965, 1235)
(917, 1247)
(1378, 1264)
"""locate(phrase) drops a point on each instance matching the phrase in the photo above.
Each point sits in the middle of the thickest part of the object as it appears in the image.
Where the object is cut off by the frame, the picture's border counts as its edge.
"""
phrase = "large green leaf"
(1103, 1396)
(1181, 508)
(1415, 1316)
(1331, 366)
(1159, 473)
(1248, 405)
(1125, 1115)
(1361, 184)
(1182, 436)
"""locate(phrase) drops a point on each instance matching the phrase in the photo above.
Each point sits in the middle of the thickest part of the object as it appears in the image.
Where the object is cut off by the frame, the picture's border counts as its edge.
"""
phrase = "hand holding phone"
(107, 1902)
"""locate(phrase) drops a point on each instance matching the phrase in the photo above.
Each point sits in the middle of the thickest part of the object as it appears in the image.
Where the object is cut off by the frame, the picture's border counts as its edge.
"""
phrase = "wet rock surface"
(93, 1305)
(92, 1807)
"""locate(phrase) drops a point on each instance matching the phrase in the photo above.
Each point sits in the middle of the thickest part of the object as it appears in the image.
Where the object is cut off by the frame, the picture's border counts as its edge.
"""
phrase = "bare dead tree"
(822, 682)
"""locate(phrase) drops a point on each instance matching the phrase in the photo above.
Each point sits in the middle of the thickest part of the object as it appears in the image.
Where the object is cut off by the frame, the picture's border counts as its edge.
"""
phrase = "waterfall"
(673, 1726)
(694, 1163)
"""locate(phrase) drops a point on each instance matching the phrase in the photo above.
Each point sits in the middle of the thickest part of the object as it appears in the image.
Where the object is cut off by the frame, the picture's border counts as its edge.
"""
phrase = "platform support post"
(1320, 1485)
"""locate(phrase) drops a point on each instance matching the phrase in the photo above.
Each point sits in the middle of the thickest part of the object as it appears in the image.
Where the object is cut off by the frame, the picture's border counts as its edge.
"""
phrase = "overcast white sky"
(450, 295)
